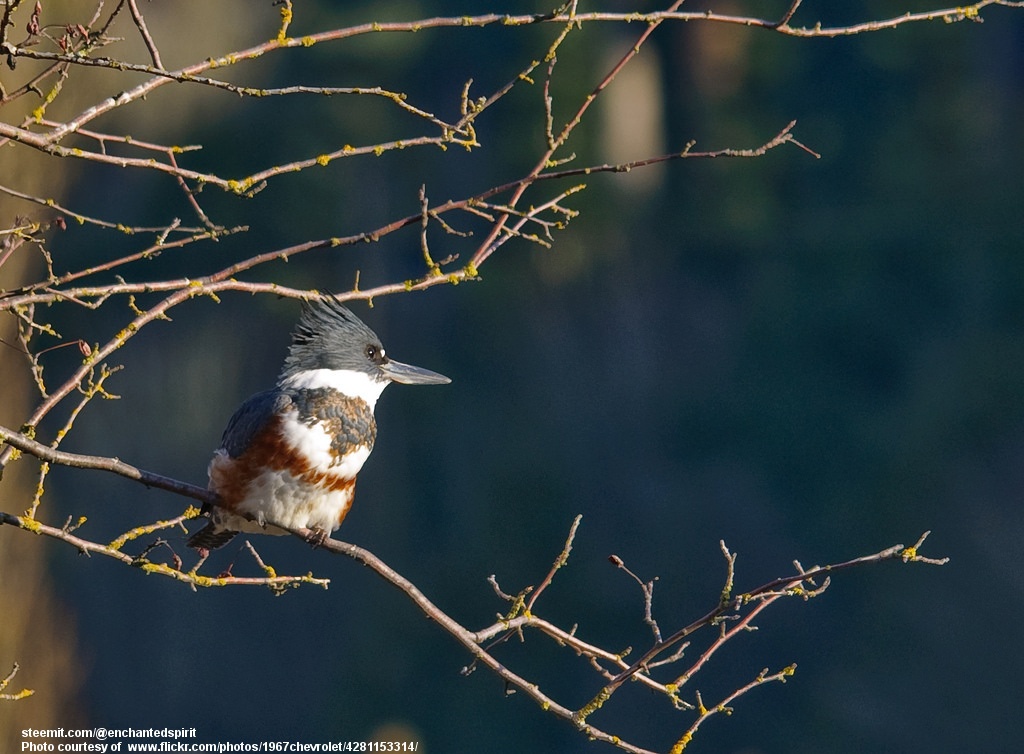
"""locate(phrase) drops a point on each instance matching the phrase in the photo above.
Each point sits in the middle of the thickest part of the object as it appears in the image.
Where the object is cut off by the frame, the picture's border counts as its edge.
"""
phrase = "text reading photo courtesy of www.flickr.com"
(103, 740)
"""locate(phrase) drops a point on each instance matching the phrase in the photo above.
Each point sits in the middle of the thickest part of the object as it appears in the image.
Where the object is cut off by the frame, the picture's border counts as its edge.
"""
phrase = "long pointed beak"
(410, 375)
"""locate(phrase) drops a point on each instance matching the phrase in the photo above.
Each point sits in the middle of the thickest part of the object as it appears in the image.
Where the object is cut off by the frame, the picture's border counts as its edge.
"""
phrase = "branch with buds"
(734, 613)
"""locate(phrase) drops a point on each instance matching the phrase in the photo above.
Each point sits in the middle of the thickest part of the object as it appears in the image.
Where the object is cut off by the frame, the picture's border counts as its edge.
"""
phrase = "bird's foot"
(317, 537)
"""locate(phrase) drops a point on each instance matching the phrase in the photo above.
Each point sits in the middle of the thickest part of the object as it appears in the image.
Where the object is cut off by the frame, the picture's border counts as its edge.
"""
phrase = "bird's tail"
(210, 537)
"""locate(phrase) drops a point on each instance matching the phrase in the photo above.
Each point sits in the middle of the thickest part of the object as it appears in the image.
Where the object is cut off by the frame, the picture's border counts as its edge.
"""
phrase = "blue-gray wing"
(251, 418)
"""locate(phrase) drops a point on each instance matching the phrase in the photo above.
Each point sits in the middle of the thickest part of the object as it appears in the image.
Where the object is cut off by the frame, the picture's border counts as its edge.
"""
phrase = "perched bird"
(289, 456)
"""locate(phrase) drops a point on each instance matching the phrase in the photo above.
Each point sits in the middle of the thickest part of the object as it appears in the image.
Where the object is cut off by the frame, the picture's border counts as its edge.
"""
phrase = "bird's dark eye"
(375, 353)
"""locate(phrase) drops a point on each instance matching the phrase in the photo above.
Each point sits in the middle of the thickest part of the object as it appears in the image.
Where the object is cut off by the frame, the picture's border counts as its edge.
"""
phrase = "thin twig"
(192, 578)
(560, 561)
(5, 682)
(141, 23)
(764, 591)
(723, 706)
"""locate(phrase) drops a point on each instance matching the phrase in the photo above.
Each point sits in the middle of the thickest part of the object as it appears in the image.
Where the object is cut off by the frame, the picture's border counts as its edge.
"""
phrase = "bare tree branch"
(114, 465)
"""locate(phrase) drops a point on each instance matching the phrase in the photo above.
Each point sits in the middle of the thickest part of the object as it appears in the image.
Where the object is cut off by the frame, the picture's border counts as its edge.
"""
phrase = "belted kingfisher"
(289, 456)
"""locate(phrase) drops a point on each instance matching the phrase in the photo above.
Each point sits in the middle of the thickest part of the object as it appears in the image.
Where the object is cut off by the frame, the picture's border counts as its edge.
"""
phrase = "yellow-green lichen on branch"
(20, 695)
(193, 577)
(580, 717)
(138, 531)
(959, 14)
(30, 524)
(126, 333)
(681, 744)
(37, 114)
(268, 570)
(286, 19)
(240, 187)
(5, 682)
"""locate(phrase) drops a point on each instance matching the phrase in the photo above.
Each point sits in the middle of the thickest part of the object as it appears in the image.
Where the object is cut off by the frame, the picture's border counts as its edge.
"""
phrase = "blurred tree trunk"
(36, 631)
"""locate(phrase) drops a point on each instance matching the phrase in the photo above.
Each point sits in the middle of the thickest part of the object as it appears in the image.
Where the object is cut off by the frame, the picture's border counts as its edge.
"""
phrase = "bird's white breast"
(312, 443)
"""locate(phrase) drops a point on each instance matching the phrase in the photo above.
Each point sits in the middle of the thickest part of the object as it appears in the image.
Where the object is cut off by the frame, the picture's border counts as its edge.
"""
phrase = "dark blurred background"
(806, 358)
